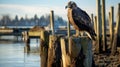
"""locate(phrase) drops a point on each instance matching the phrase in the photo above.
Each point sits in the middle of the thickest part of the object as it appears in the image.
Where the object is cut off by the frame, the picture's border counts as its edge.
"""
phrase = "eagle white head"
(71, 5)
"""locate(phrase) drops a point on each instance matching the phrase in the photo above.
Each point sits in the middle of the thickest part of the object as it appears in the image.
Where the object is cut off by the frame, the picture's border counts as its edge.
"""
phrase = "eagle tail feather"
(90, 36)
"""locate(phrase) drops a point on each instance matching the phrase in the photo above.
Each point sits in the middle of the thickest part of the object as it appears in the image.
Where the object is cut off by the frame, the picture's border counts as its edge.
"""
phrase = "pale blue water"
(12, 55)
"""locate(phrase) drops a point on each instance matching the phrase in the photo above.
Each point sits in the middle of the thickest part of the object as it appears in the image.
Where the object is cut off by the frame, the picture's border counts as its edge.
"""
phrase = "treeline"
(44, 20)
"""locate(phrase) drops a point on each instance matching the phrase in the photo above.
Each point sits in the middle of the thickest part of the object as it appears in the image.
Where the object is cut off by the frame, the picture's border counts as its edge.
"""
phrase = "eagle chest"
(70, 18)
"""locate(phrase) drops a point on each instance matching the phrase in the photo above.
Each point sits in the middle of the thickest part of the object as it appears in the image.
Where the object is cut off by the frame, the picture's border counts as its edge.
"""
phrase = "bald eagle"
(80, 19)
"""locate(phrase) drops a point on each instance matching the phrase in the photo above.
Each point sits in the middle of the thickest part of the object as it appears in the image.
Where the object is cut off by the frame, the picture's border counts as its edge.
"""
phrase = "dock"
(6, 31)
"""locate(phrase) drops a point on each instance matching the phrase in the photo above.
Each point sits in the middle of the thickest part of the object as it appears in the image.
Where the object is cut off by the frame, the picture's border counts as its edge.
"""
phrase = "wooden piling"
(92, 21)
(99, 24)
(95, 24)
(65, 52)
(111, 22)
(54, 51)
(27, 43)
(68, 29)
(116, 33)
(103, 27)
(44, 39)
(110, 31)
(52, 21)
(78, 53)
(118, 42)
(119, 20)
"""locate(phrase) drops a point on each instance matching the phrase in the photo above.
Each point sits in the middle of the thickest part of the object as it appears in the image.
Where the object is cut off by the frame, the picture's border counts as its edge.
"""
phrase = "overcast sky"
(40, 7)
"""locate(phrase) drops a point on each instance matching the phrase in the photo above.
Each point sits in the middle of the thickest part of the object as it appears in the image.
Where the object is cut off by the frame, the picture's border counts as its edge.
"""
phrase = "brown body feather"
(80, 21)
(71, 19)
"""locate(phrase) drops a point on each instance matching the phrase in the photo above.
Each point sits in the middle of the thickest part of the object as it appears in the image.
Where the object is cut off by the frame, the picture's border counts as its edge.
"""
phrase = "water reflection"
(12, 55)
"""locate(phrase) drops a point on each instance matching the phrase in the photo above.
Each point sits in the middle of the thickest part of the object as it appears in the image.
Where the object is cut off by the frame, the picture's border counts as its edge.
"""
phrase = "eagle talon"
(75, 35)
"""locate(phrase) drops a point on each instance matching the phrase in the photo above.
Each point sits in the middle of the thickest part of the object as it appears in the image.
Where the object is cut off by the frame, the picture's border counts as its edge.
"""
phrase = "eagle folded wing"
(81, 18)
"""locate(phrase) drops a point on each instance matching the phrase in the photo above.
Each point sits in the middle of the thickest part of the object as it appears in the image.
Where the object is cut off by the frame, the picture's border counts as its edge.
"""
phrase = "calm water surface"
(12, 55)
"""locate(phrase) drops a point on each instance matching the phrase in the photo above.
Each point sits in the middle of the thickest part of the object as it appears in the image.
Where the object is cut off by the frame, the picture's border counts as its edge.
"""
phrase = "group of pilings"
(62, 51)
(101, 31)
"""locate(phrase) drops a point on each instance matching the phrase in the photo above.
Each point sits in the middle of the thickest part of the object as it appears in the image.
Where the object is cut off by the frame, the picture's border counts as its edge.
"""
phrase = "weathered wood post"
(27, 42)
(99, 24)
(44, 41)
(65, 52)
(78, 53)
(109, 39)
(116, 33)
(95, 24)
(111, 22)
(68, 29)
(52, 21)
(103, 27)
(54, 51)
(118, 42)
(92, 21)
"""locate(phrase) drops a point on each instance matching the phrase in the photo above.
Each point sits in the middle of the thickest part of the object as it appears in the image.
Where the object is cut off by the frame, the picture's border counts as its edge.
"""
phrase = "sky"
(42, 7)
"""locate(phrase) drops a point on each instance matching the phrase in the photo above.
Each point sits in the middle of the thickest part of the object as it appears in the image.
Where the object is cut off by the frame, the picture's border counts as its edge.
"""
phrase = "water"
(12, 55)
